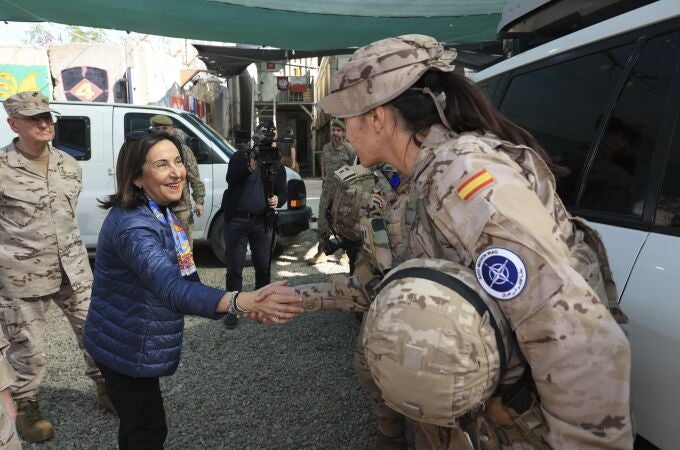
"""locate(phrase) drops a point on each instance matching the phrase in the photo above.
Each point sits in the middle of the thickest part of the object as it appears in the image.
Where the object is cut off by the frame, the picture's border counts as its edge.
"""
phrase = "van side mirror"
(200, 149)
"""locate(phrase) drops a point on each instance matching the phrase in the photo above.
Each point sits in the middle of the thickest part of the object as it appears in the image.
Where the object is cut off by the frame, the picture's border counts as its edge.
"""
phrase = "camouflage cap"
(160, 120)
(381, 71)
(431, 352)
(338, 123)
(27, 104)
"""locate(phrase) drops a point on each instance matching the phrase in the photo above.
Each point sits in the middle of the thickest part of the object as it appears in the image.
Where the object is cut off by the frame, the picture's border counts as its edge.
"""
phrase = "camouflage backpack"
(436, 345)
(359, 193)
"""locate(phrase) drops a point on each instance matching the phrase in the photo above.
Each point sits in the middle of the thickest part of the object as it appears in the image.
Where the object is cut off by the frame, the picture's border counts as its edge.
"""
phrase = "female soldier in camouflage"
(478, 190)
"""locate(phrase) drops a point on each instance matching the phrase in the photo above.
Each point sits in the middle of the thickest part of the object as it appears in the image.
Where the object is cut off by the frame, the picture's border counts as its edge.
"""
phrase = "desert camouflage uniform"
(333, 159)
(184, 210)
(9, 439)
(43, 259)
(578, 354)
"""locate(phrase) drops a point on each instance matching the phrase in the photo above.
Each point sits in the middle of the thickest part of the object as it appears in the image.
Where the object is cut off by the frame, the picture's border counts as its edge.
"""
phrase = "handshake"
(275, 303)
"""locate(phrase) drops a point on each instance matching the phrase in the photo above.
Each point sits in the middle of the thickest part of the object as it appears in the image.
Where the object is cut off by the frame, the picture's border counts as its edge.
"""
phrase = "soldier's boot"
(31, 424)
(344, 259)
(319, 258)
(103, 399)
(391, 443)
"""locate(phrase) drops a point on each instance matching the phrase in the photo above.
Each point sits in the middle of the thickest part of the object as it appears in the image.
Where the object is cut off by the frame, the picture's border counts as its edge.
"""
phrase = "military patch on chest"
(474, 184)
(501, 273)
(378, 202)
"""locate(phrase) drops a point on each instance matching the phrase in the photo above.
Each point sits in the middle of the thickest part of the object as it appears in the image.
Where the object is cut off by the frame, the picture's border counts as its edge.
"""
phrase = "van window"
(618, 179)
(489, 86)
(141, 121)
(72, 135)
(668, 202)
(562, 106)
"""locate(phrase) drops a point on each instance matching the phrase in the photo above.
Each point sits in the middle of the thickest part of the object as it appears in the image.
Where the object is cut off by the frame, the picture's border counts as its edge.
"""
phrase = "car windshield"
(213, 135)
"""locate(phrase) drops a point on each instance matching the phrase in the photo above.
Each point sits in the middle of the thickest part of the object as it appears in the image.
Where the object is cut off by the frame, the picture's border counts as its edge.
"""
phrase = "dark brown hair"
(467, 109)
(131, 159)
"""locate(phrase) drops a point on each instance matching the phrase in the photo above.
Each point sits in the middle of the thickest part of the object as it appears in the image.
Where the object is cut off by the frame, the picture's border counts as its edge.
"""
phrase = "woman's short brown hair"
(131, 159)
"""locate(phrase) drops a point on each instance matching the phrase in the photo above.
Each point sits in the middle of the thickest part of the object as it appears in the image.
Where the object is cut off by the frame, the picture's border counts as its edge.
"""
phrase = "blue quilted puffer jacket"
(136, 318)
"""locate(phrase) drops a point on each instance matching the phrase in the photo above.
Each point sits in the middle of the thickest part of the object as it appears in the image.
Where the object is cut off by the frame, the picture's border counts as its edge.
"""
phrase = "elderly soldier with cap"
(336, 153)
(480, 192)
(183, 209)
(45, 258)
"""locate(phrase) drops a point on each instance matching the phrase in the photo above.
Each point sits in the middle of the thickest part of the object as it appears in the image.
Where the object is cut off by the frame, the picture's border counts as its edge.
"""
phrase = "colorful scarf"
(185, 258)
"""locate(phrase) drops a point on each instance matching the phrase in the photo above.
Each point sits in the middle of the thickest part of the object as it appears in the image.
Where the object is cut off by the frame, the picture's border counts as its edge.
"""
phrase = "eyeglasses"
(37, 119)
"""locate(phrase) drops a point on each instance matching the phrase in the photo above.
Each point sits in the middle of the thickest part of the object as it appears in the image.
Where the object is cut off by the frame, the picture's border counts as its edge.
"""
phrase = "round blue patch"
(501, 273)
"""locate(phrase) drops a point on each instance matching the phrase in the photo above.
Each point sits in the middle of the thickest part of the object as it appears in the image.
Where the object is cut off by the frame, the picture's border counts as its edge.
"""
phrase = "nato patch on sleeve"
(501, 273)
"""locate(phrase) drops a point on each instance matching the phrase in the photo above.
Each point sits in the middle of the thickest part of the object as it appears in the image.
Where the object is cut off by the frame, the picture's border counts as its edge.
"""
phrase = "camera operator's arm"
(280, 188)
(239, 168)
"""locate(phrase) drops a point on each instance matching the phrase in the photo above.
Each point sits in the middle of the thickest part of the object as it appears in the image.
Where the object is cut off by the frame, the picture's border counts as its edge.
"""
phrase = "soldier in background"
(183, 210)
(336, 153)
(44, 256)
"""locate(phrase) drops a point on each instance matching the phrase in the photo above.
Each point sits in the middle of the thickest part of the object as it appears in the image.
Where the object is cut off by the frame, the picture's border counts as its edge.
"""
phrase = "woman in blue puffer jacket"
(145, 281)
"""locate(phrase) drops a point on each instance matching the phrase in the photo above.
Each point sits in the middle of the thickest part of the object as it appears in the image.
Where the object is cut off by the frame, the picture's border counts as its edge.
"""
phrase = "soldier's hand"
(199, 209)
(273, 201)
(6, 398)
(274, 303)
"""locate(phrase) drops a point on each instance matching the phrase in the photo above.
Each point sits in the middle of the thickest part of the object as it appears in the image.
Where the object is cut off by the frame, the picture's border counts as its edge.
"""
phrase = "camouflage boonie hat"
(381, 71)
(359, 192)
(27, 104)
(434, 342)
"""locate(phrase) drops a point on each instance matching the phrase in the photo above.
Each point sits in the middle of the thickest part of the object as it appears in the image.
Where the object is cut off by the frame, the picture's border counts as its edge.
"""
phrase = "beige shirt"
(39, 234)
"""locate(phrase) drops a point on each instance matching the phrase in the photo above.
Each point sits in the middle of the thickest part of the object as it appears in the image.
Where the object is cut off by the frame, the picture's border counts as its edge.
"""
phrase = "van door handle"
(110, 171)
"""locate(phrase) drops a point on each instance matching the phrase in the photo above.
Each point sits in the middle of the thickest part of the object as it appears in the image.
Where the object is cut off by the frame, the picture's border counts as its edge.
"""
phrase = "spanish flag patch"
(474, 184)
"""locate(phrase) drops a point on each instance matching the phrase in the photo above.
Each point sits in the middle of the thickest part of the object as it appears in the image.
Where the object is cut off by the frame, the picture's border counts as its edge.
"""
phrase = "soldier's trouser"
(390, 422)
(24, 321)
(186, 219)
(322, 223)
(9, 440)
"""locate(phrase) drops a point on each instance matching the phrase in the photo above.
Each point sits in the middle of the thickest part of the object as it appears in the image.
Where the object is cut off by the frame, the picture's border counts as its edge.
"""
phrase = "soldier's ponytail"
(465, 108)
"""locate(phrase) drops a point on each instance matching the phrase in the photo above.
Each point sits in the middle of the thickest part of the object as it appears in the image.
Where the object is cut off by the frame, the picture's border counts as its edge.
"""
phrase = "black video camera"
(267, 155)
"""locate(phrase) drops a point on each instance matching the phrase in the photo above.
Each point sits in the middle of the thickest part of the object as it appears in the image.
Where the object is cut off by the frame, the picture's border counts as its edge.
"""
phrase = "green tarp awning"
(289, 24)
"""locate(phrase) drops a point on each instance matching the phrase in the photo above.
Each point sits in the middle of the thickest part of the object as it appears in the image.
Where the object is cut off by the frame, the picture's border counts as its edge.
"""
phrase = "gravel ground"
(254, 387)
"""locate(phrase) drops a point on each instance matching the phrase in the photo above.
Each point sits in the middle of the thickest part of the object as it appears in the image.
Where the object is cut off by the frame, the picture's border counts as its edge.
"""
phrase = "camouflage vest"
(360, 193)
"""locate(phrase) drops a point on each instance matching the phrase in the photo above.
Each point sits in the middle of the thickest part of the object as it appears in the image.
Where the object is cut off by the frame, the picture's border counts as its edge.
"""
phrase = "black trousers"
(139, 405)
(238, 232)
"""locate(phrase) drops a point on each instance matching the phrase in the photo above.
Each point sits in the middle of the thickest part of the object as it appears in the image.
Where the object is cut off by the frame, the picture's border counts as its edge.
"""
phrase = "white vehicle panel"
(623, 246)
(651, 302)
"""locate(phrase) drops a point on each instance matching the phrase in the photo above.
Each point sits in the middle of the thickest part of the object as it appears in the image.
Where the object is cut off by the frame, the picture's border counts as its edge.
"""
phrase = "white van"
(604, 102)
(94, 132)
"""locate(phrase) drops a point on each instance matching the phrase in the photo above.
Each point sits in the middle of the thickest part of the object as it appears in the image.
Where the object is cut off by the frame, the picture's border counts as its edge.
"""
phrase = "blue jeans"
(238, 232)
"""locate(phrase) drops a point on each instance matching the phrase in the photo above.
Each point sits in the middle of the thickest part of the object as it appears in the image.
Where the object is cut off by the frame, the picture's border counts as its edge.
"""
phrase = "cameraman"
(249, 218)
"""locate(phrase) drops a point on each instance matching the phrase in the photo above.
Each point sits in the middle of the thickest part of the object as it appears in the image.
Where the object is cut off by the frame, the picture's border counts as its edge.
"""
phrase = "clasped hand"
(274, 303)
